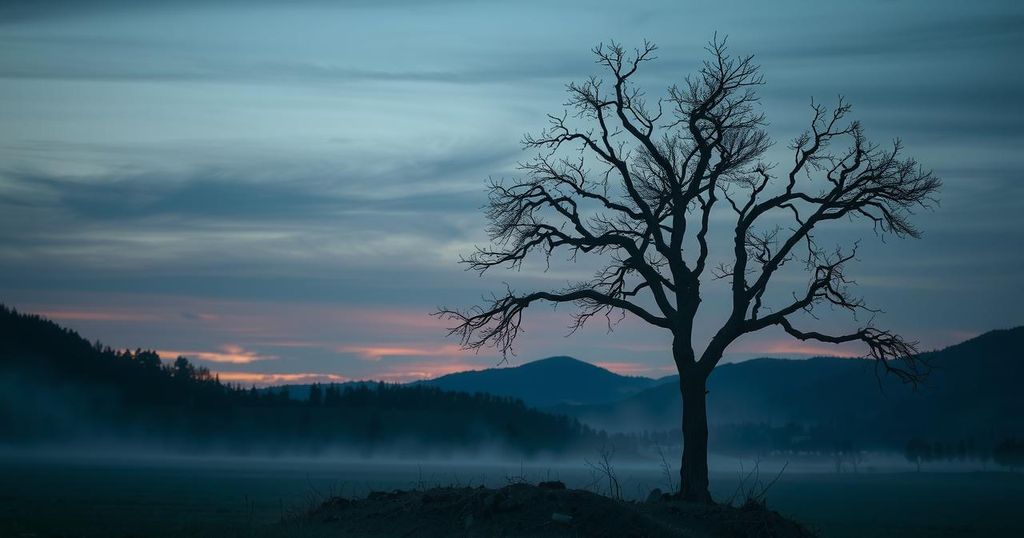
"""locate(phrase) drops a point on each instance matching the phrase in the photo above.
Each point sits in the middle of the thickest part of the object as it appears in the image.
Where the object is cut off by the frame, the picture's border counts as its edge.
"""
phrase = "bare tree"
(664, 171)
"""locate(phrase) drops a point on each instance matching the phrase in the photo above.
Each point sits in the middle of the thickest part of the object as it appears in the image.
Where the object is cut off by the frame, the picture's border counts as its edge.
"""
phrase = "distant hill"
(58, 388)
(547, 382)
(542, 383)
(973, 391)
(52, 381)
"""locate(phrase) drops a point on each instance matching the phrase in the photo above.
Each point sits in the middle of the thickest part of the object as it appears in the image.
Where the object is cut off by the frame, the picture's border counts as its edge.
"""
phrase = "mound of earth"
(544, 510)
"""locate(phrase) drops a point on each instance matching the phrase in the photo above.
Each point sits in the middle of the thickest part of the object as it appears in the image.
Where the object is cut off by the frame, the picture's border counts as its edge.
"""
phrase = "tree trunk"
(693, 472)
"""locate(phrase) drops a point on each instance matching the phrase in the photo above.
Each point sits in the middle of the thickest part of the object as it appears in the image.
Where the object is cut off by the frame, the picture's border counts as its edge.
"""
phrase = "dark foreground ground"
(226, 498)
(547, 510)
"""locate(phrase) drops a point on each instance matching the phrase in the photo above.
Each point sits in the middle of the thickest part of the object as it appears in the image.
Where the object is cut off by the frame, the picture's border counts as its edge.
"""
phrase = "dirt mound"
(544, 510)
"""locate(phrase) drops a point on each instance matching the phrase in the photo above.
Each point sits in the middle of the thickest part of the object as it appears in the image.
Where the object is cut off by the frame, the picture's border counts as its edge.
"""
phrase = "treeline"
(373, 415)
(789, 438)
(56, 386)
(1008, 452)
(835, 444)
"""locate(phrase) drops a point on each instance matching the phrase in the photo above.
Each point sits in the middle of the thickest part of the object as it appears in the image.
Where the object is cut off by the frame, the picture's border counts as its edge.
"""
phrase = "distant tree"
(182, 369)
(316, 395)
(202, 374)
(917, 451)
(640, 183)
(332, 395)
(856, 458)
(984, 456)
(972, 450)
(148, 359)
(1009, 453)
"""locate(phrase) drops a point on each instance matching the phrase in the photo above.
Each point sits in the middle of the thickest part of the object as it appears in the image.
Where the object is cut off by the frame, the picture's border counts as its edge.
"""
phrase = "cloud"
(20, 11)
(279, 73)
(422, 370)
(231, 354)
(924, 34)
(236, 162)
(265, 379)
(378, 352)
(231, 196)
(637, 369)
(98, 315)
(794, 348)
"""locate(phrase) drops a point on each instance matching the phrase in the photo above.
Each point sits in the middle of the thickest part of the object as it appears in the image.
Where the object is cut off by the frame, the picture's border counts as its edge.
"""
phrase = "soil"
(544, 510)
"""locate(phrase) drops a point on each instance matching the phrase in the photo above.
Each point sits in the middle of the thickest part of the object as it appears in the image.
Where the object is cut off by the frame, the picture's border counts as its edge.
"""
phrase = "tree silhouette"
(664, 172)
(316, 395)
(181, 406)
(1009, 453)
(917, 451)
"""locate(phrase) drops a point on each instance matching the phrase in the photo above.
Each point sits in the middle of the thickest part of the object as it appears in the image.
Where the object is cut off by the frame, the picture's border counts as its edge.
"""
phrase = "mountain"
(542, 383)
(973, 390)
(757, 390)
(547, 382)
(54, 382)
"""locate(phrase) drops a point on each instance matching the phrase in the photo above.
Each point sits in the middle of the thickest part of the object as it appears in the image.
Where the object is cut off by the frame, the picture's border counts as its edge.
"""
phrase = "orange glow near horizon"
(257, 378)
(376, 353)
(230, 354)
(399, 374)
(392, 343)
(635, 369)
(424, 370)
(793, 347)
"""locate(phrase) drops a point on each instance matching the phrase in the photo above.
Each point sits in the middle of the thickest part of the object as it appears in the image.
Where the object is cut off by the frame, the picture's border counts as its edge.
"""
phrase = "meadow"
(112, 496)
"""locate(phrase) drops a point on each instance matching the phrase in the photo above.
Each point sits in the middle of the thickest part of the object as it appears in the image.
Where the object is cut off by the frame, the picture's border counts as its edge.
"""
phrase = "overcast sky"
(282, 192)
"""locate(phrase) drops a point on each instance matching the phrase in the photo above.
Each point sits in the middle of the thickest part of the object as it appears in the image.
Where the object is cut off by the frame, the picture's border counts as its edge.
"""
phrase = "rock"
(552, 484)
(655, 495)
(561, 518)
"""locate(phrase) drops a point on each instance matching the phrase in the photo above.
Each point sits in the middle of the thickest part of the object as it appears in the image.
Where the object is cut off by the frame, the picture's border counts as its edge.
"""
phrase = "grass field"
(107, 497)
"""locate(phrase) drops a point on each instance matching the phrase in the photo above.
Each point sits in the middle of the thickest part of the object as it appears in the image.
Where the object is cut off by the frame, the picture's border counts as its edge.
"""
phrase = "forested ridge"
(57, 386)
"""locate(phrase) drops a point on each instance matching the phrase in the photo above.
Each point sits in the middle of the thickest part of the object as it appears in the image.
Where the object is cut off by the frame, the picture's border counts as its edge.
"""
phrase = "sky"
(281, 191)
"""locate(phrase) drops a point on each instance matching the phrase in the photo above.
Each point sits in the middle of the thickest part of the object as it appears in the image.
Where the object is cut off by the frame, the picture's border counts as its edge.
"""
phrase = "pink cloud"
(634, 369)
(791, 347)
(423, 370)
(96, 315)
(257, 378)
(665, 348)
(378, 352)
(231, 354)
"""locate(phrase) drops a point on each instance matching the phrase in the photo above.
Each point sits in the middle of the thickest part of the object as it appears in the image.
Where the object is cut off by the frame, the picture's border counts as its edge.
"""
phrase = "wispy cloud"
(636, 368)
(264, 379)
(170, 177)
(98, 315)
(416, 371)
(231, 354)
(795, 348)
(378, 352)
